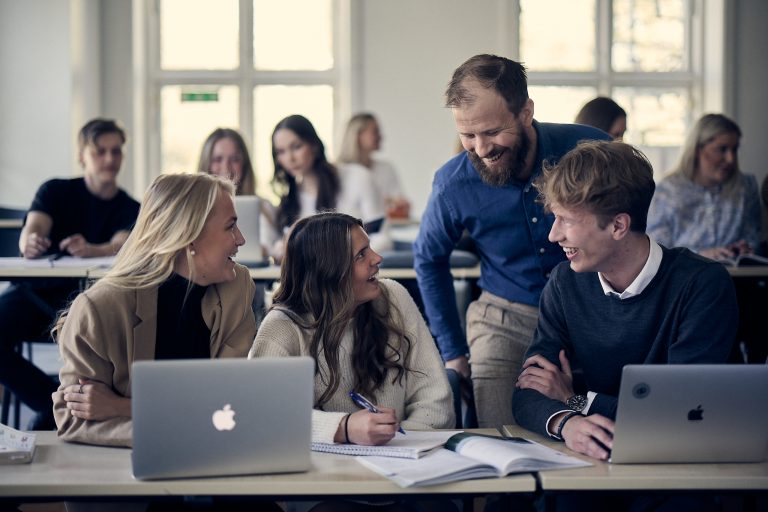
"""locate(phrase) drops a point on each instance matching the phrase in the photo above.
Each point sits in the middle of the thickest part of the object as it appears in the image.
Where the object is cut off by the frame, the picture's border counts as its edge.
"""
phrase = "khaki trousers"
(499, 333)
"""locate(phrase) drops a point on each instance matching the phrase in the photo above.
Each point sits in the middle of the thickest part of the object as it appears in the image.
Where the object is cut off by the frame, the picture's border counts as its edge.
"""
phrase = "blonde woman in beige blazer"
(178, 258)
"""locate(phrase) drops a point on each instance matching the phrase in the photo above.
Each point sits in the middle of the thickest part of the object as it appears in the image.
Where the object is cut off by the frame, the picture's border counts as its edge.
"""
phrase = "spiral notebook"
(413, 445)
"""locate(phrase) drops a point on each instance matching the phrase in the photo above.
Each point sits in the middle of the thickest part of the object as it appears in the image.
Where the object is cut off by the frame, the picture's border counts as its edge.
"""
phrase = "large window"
(639, 52)
(242, 64)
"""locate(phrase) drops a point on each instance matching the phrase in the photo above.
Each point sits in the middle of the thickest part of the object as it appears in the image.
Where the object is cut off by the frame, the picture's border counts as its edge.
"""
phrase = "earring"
(192, 252)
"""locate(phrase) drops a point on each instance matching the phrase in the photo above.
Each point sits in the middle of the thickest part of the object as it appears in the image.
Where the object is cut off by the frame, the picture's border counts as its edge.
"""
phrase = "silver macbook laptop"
(216, 417)
(249, 221)
(692, 413)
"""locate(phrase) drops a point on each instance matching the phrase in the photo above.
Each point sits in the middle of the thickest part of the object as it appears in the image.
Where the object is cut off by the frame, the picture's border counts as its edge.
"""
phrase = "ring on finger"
(81, 389)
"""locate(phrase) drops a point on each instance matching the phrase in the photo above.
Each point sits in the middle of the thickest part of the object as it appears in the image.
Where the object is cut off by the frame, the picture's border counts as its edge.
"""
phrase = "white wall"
(750, 76)
(35, 92)
(410, 49)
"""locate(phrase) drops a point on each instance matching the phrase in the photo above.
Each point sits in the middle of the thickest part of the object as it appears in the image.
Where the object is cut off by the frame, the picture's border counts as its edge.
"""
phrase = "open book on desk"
(745, 260)
(469, 456)
(413, 445)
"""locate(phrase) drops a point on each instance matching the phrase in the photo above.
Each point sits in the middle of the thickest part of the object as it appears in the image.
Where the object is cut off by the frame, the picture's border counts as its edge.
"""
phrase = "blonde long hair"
(350, 145)
(172, 215)
(706, 128)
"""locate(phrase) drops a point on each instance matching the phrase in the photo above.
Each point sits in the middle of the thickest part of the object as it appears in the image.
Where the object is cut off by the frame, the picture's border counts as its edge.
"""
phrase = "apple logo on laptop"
(696, 414)
(224, 419)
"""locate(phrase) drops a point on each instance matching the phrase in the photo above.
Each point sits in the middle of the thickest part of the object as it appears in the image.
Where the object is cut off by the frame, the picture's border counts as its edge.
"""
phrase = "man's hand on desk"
(77, 245)
(589, 435)
(93, 400)
(36, 246)
(461, 365)
(541, 375)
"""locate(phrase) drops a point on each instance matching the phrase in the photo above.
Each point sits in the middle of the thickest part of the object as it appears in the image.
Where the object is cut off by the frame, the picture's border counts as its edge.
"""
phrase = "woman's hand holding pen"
(369, 428)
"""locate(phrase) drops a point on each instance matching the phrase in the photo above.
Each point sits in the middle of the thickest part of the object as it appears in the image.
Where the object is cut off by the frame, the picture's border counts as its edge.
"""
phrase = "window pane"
(558, 35)
(274, 102)
(186, 124)
(553, 104)
(199, 34)
(655, 117)
(649, 35)
(292, 34)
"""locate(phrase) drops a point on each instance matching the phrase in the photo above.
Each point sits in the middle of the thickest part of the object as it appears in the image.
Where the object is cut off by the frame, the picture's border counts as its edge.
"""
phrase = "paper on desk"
(63, 262)
(24, 263)
(75, 262)
(412, 445)
(16, 447)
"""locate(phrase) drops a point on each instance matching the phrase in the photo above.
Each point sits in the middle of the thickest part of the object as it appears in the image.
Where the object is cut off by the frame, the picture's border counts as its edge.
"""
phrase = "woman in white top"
(307, 183)
(361, 139)
(365, 335)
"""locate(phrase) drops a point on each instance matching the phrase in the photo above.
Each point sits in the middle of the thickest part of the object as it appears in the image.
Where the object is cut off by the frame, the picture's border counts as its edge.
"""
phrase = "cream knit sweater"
(422, 401)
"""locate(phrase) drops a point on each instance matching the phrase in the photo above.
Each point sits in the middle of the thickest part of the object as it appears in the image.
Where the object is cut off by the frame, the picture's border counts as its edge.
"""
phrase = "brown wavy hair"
(316, 292)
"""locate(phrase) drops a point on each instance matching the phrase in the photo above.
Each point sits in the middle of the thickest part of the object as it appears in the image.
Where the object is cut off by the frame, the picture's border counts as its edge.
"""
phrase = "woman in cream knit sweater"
(365, 335)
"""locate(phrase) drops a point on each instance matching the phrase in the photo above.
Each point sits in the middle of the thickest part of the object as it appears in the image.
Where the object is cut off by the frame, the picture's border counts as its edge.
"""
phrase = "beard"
(513, 171)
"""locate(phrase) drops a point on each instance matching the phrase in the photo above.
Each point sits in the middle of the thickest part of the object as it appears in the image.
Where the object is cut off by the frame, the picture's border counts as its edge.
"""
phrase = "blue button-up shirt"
(509, 228)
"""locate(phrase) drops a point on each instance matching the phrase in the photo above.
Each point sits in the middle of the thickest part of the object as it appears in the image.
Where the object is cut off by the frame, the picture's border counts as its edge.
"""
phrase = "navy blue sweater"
(686, 314)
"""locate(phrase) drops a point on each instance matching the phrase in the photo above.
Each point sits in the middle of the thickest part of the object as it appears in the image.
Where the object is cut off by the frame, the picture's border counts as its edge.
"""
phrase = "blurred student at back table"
(707, 204)
(86, 217)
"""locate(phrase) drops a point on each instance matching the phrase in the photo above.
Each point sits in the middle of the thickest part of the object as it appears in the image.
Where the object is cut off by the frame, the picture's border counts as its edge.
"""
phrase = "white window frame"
(704, 79)
(704, 58)
(149, 79)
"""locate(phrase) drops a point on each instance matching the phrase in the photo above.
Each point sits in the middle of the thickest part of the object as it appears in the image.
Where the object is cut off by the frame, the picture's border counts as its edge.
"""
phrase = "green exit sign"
(199, 96)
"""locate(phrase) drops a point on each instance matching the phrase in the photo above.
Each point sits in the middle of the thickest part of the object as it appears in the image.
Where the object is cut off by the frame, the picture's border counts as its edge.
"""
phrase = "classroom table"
(272, 273)
(69, 471)
(604, 476)
(11, 223)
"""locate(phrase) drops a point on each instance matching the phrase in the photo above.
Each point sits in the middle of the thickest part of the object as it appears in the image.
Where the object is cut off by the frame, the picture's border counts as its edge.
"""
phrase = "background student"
(307, 183)
(707, 204)
(85, 217)
(605, 114)
(173, 293)
(225, 154)
(366, 336)
(362, 138)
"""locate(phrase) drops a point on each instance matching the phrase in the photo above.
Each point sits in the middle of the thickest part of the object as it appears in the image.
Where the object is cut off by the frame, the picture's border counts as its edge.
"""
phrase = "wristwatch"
(577, 402)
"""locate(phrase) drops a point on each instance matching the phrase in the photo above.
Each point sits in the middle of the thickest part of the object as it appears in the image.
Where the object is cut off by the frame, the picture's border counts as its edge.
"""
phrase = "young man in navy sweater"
(619, 299)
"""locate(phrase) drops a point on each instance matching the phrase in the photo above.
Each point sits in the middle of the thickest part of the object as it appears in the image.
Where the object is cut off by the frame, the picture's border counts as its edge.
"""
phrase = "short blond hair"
(604, 177)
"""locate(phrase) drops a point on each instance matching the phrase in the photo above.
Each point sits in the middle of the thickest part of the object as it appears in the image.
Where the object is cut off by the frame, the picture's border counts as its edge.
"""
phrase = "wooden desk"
(8, 273)
(11, 223)
(19, 268)
(64, 470)
(757, 271)
(272, 273)
(603, 476)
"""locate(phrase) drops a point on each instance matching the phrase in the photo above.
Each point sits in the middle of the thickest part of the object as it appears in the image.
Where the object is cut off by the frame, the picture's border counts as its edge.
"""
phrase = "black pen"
(57, 255)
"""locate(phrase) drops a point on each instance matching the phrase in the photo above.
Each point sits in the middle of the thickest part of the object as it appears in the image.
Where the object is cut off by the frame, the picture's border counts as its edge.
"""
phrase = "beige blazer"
(108, 328)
